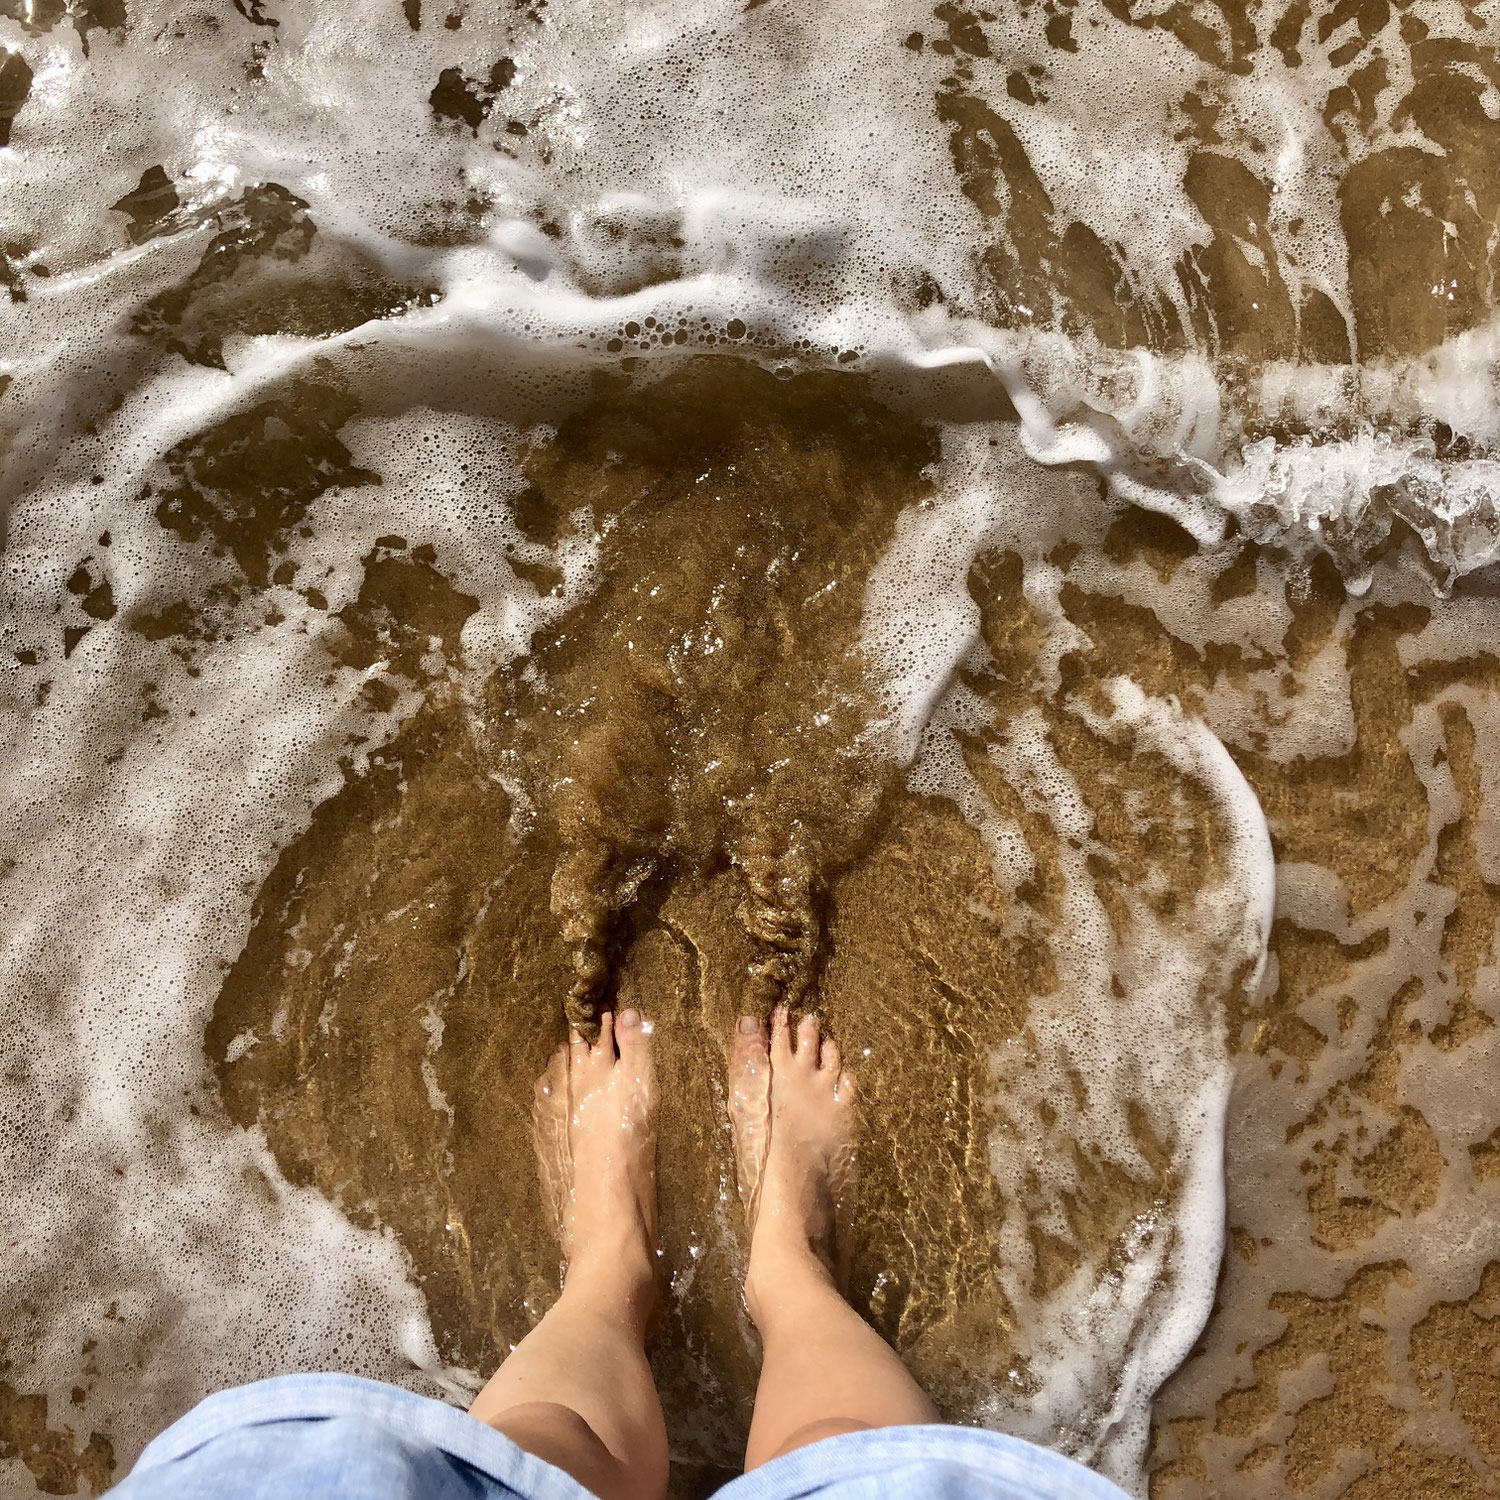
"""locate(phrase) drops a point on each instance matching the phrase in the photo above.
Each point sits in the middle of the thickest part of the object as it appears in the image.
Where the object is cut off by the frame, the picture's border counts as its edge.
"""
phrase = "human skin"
(577, 1391)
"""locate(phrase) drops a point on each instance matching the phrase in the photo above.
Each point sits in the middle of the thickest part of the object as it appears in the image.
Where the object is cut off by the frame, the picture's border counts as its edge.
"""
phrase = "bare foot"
(595, 1124)
(795, 1128)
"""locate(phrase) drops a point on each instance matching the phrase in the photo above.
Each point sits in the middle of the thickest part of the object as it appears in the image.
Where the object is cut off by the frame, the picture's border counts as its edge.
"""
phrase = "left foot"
(595, 1122)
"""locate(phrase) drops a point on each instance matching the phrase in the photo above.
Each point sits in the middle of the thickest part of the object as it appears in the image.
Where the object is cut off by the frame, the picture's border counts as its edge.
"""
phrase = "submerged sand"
(624, 816)
(677, 781)
(404, 978)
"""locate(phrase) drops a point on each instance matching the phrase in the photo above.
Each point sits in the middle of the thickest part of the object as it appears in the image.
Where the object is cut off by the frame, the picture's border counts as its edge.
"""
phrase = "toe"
(602, 1053)
(808, 1032)
(633, 1037)
(844, 1089)
(828, 1058)
(747, 1052)
(781, 1037)
(578, 1049)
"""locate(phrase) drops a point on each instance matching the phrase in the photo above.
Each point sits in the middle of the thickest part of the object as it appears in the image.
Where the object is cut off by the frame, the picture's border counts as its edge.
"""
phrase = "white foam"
(1103, 1343)
(701, 164)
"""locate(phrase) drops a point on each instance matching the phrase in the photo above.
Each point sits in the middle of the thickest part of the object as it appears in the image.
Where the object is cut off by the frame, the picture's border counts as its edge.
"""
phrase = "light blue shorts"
(316, 1437)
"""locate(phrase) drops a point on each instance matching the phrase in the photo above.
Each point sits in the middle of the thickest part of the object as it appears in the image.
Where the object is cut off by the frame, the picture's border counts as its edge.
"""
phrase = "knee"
(815, 1432)
(559, 1435)
(549, 1422)
(564, 1439)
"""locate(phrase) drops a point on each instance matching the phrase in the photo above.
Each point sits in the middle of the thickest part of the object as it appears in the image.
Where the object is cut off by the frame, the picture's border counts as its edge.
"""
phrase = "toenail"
(749, 1025)
(631, 1017)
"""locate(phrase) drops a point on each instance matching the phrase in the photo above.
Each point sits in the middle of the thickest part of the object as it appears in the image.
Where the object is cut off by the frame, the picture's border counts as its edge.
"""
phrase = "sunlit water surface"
(982, 524)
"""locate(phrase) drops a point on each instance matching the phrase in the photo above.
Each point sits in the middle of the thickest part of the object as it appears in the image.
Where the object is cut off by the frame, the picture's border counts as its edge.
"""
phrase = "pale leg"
(825, 1370)
(577, 1390)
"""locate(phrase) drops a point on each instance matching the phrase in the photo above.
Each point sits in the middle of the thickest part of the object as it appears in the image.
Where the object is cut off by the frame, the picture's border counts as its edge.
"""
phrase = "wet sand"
(402, 982)
(682, 794)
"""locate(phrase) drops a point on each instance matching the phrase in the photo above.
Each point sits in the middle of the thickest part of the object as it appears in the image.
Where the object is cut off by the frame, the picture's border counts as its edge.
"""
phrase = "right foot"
(795, 1129)
(595, 1121)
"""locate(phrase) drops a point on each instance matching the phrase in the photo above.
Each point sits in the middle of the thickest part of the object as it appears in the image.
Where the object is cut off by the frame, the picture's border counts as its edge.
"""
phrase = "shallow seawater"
(982, 524)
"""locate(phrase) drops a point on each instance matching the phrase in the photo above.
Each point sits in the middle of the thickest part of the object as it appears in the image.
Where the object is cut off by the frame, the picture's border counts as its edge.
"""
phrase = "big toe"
(593, 1062)
(748, 1055)
(633, 1038)
(809, 1035)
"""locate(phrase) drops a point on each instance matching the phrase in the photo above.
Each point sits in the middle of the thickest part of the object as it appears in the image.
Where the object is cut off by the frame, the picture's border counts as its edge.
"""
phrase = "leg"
(825, 1370)
(577, 1390)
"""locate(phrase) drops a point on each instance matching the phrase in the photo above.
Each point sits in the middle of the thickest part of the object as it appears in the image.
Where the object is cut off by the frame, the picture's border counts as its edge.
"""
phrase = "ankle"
(619, 1267)
(782, 1274)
